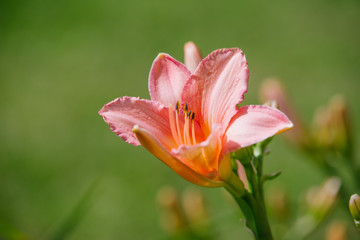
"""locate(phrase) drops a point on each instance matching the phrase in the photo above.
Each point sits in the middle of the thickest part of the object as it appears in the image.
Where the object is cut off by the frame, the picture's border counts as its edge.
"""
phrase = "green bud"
(354, 206)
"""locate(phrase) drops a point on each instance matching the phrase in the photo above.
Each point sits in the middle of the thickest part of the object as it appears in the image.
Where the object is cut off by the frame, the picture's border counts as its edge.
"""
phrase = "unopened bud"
(340, 124)
(194, 205)
(172, 219)
(272, 90)
(321, 199)
(279, 203)
(242, 175)
(331, 128)
(271, 103)
(192, 56)
(354, 206)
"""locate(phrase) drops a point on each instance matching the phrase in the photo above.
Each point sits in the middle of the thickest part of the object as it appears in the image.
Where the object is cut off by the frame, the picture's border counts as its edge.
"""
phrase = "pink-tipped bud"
(272, 90)
(192, 56)
(321, 199)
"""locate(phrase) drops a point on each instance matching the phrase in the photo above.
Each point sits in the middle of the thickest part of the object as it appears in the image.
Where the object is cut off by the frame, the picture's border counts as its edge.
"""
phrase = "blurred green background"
(62, 171)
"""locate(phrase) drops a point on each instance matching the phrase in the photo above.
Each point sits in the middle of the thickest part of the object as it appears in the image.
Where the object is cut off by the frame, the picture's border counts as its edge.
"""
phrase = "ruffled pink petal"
(202, 157)
(124, 113)
(166, 80)
(253, 124)
(192, 56)
(217, 86)
(149, 142)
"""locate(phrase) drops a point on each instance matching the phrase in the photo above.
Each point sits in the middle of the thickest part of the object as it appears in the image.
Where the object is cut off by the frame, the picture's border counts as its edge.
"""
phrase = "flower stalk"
(251, 202)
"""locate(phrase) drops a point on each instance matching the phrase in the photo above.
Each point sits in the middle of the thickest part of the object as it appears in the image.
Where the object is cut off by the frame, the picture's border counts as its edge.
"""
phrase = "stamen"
(193, 127)
(189, 114)
(177, 122)
(172, 126)
(187, 135)
(186, 127)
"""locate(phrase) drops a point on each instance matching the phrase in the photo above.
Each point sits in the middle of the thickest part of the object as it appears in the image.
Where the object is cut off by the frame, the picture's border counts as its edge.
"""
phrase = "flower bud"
(192, 56)
(321, 199)
(272, 90)
(340, 124)
(272, 103)
(354, 206)
(194, 206)
(331, 128)
(172, 219)
(279, 204)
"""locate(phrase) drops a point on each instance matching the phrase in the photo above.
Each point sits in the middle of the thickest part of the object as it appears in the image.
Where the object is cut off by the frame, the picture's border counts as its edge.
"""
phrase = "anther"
(186, 107)
(189, 114)
(193, 116)
(177, 106)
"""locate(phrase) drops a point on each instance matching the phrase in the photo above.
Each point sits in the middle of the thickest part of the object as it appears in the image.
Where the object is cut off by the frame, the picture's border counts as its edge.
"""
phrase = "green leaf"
(77, 214)
(270, 176)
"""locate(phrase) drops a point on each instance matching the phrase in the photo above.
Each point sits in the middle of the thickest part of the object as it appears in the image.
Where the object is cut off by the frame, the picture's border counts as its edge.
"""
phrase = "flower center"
(183, 134)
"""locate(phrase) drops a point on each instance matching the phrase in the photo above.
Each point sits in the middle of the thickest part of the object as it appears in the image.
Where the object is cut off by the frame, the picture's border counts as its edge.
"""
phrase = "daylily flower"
(192, 121)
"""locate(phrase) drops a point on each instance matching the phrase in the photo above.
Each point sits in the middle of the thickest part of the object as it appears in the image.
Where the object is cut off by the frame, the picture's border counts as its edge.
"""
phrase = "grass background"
(61, 61)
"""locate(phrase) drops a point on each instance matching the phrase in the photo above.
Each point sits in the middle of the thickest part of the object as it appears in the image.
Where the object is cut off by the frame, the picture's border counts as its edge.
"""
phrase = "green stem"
(261, 220)
(255, 214)
(251, 201)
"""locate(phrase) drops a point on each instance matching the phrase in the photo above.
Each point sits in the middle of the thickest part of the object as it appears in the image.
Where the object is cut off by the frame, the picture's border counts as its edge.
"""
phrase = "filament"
(172, 126)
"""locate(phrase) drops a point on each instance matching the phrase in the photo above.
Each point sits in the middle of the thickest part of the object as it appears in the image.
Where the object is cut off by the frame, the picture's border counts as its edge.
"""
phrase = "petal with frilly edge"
(124, 113)
(217, 86)
(202, 157)
(166, 80)
(192, 56)
(149, 142)
(253, 124)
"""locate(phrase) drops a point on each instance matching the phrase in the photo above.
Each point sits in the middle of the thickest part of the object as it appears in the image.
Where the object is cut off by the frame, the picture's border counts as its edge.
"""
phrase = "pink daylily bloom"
(192, 121)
